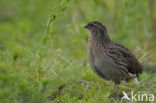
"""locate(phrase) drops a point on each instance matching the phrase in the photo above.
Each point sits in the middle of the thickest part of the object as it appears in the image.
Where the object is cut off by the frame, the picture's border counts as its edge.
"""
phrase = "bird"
(110, 60)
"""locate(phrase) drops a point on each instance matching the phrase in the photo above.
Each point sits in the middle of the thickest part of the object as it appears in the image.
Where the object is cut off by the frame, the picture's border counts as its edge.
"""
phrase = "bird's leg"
(115, 87)
(115, 91)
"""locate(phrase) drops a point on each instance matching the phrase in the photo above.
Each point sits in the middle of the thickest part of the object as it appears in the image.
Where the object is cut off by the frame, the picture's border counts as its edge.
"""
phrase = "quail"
(108, 59)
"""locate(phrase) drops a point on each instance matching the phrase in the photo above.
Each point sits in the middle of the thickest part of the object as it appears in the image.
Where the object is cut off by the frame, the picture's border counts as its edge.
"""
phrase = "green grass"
(41, 63)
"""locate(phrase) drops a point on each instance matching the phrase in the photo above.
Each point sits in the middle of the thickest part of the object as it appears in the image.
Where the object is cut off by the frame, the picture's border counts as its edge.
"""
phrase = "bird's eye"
(89, 27)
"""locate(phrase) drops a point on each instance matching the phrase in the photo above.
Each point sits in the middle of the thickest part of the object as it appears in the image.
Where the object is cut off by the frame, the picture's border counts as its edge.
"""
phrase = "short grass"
(53, 67)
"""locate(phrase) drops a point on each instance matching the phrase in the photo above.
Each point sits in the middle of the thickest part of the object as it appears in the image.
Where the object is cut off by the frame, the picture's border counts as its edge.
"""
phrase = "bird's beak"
(86, 26)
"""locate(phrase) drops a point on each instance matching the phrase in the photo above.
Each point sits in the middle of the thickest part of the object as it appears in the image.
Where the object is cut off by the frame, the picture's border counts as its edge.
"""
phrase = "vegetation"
(44, 59)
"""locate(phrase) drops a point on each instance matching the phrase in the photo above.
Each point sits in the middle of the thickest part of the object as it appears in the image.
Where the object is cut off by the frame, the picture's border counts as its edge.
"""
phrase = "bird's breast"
(101, 63)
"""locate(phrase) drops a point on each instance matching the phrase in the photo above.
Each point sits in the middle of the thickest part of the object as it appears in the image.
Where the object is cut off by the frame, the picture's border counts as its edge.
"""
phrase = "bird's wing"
(123, 57)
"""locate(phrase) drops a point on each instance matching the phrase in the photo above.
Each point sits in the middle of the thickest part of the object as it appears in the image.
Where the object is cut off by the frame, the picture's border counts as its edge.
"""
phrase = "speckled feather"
(122, 56)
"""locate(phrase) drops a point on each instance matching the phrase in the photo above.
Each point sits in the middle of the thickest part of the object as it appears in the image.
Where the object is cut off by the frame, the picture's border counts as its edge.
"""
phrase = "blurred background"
(43, 48)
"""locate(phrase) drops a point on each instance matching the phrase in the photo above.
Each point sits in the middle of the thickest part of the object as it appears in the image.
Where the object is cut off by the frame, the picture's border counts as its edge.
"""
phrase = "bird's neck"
(103, 39)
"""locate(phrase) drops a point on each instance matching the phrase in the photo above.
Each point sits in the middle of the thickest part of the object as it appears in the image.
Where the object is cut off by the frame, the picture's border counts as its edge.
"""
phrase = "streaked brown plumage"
(110, 60)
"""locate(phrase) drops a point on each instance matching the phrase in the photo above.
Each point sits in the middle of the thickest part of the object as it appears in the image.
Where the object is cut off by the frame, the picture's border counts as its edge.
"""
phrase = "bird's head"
(96, 28)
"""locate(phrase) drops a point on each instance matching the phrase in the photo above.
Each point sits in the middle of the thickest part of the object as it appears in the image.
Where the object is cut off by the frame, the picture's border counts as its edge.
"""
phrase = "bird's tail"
(134, 77)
